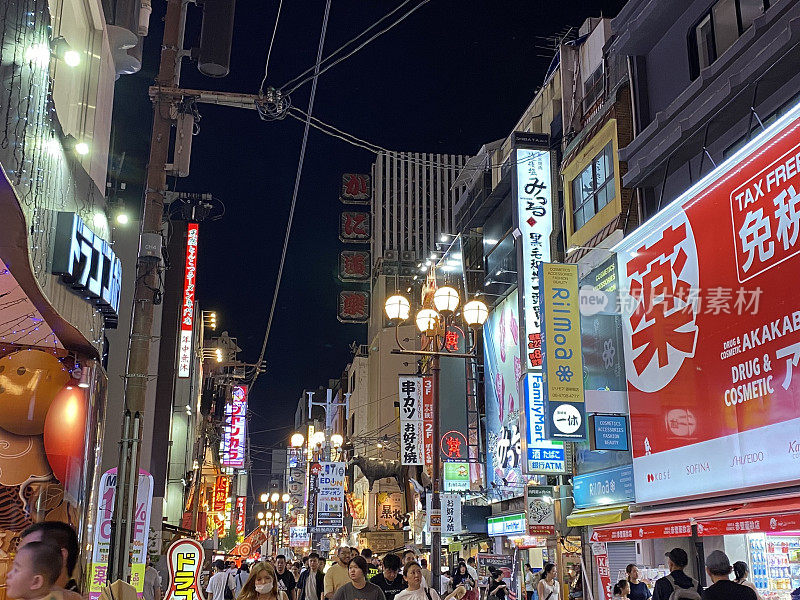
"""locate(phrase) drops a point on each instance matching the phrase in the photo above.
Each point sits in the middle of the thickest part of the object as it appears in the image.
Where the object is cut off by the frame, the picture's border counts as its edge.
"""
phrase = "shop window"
(719, 28)
(594, 187)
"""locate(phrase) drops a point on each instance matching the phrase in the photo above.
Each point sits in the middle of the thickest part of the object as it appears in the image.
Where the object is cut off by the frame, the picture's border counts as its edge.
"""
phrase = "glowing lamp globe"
(475, 313)
(427, 319)
(72, 58)
(397, 308)
(297, 440)
(275, 497)
(337, 440)
(285, 497)
(446, 299)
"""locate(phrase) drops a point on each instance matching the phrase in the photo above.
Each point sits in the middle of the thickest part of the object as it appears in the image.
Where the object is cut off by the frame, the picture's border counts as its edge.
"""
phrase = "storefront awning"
(763, 516)
(596, 516)
(666, 524)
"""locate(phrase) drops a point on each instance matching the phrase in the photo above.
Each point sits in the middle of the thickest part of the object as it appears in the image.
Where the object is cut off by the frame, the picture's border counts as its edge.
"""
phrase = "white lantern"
(337, 440)
(475, 313)
(426, 320)
(446, 299)
(297, 440)
(397, 308)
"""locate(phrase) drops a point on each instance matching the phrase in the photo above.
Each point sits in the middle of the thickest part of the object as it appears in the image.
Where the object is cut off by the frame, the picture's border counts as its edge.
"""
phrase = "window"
(719, 29)
(593, 188)
(592, 89)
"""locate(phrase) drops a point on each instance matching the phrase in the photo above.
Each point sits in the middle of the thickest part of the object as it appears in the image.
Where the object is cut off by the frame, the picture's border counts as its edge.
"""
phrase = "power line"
(317, 70)
(343, 46)
(296, 188)
(269, 51)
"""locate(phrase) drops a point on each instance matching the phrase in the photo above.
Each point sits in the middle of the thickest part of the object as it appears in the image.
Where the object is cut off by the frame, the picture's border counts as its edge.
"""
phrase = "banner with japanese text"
(187, 305)
(451, 514)
(326, 497)
(412, 434)
(711, 322)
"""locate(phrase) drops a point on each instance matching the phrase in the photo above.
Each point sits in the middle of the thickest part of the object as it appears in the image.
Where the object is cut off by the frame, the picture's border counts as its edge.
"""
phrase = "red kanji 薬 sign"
(353, 306)
(454, 445)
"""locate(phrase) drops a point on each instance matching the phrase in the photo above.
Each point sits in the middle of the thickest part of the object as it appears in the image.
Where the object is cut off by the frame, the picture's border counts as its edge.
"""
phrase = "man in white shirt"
(218, 582)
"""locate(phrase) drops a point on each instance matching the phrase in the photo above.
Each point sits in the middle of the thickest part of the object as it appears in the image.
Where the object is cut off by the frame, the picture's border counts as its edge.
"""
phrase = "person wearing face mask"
(262, 584)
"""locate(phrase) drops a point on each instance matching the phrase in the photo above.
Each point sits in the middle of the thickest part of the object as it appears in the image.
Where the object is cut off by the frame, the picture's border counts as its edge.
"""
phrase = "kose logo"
(660, 476)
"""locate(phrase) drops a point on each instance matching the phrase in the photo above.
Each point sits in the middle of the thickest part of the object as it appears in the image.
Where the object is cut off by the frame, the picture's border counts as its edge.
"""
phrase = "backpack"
(679, 593)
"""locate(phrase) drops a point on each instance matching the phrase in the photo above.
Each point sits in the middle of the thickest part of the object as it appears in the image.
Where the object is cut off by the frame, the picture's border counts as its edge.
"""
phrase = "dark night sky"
(454, 75)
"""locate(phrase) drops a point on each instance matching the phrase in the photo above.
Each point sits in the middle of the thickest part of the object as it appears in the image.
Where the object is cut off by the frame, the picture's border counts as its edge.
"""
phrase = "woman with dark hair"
(638, 589)
(497, 587)
(740, 572)
(463, 578)
(412, 573)
(358, 587)
(548, 585)
(621, 589)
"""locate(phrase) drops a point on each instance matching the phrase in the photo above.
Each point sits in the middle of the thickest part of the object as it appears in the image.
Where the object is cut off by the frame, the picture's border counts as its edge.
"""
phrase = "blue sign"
(614, 486)
(543, 456)
(610, 432)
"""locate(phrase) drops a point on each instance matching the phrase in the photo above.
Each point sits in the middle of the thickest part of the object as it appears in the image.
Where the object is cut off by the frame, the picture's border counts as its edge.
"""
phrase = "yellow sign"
(562, 333)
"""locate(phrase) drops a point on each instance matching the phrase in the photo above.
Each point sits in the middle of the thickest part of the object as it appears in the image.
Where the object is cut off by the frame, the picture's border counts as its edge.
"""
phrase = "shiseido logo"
(658, 476)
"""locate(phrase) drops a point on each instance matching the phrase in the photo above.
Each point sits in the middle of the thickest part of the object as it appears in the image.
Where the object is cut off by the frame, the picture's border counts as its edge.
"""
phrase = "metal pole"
(147, 279)
(436, 504)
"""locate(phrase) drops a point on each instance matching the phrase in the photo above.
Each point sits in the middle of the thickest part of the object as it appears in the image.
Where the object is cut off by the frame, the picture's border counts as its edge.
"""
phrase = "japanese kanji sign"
(711, 325)
(354, 227)
(427, 419)
(600, 552)
(544, 456)
(534, 219)
(221, 487)
(389, 513)
(412, 434)
(187, 307)
(540, 510)
(356, 188)
(241, 514)
(234, 440)
(102, 531)
(185, 562)
(353, 306)
(563, 365)
(451, 514)
(354, 265)
(454, 446)
(327, 497)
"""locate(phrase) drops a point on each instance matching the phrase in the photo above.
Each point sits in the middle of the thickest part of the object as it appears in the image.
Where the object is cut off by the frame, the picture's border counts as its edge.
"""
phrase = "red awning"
(666, 524)
(763, 516)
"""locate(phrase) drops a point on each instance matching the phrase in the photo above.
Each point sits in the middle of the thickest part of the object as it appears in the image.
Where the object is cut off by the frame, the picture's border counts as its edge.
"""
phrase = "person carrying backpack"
(677, 585)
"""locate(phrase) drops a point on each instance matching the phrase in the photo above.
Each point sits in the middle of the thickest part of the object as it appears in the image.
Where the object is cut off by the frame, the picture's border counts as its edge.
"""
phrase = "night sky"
(451, 77)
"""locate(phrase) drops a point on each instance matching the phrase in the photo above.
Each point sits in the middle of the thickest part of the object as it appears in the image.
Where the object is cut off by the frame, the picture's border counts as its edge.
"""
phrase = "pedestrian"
(64, 537)
(576, 585)
(241, 577)
(390, 581)
(677, 580)
(622, 590)
(444, 583)
(409, 556)
(638, 589)
(426, 573)
(547, 588)
(463, 578)
(719, 568)
(337, 574)
(34, 572)
(498, 588)
(152, 581)
(312, 580)
(472, 569)
(358, 588)
(220, 585)
(286, 580)
(262, 584)
(740, 573)
(373, 569)
(412, 573)
(530, 582)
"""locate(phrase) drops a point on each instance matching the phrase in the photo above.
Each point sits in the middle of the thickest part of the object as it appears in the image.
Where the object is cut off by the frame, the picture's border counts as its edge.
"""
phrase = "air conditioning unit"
(406, 271)
(390, 255)
(408, 256)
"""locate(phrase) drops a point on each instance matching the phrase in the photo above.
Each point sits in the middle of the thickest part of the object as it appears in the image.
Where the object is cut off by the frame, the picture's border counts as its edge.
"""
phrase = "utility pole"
(147, 266)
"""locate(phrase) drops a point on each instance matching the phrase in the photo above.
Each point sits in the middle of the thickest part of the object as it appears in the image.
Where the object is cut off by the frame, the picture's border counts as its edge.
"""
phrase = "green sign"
(456, 476)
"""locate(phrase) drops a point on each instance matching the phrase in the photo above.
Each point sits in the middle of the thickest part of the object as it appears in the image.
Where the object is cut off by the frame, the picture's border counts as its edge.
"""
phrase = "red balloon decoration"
(65, 433)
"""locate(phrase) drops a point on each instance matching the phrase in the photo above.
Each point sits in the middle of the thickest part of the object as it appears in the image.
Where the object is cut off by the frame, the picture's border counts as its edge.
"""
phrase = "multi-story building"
(61, 278)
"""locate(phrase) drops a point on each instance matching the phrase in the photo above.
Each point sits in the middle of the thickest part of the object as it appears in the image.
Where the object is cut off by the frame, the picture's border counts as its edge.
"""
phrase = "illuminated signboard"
(534, 220)
(87, 263)
(542, 456)
(412, 438)
(187, 308)
(507, 525)
(234, 442)
(185, 561)
(241, 514)
(711, 325)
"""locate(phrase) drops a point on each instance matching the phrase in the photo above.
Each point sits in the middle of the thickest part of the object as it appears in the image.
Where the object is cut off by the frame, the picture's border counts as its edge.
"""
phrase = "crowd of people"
(48, 553)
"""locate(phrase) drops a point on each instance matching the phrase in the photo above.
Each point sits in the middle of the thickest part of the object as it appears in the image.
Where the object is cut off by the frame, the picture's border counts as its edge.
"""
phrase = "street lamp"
(264, 497)
(297, 440)
(286, 497)
(434, 326)
(337, 440)
(275, 497)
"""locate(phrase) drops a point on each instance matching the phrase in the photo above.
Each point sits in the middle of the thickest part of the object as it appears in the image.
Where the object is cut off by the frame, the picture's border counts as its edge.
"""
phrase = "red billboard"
(711, 326)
